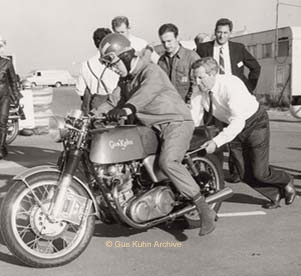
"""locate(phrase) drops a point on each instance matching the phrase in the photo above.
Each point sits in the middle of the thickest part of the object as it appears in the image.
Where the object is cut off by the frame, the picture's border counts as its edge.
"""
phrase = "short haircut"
(209, 63)
(118, 21)
(224, 22)
(169, 27)
(99, 34)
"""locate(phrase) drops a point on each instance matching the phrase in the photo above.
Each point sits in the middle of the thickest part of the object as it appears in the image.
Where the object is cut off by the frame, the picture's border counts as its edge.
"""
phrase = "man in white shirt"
(232, 57)
(247, 125)
(96, 81)
(121, 25)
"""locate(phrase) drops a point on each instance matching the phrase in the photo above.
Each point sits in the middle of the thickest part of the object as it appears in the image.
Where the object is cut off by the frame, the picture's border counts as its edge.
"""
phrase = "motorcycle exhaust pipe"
(220, 195)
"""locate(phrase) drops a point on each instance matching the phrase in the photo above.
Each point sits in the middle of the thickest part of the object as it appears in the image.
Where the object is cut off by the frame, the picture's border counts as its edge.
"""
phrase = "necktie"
(221, 61)
(208, 118)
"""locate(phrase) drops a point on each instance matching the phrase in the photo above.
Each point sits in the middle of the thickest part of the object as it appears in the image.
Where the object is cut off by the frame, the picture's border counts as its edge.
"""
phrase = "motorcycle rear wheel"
(209, 164)
(12, 131)
(21, 225)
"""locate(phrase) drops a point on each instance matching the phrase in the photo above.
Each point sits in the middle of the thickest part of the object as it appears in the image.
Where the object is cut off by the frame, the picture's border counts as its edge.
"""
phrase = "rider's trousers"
(175, 141)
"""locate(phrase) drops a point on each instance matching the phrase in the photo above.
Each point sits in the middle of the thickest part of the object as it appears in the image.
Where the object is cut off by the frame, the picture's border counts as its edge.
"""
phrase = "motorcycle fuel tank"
(122, 144)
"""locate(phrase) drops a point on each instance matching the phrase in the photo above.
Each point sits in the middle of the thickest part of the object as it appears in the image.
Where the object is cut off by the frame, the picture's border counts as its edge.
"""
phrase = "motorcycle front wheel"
(30, 235)
(211, 171)
(12, 131)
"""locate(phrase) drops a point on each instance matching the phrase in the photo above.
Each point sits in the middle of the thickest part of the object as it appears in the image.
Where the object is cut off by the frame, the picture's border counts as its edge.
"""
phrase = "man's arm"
(149, 88)
(81, 84)
(251, 63)
(16, 95)
(194, 56)
(236, 94)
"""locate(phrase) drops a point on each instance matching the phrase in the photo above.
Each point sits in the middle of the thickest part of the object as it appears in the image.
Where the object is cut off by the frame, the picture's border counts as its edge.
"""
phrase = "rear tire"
(21, 218)
(12, 131)
(209, 164)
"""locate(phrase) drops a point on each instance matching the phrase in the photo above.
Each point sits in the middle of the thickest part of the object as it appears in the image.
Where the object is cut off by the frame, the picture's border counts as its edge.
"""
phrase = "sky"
(57, 34)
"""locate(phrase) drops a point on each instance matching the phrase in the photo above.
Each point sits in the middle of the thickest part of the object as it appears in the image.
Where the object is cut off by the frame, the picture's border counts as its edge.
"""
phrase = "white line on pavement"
(242, 214)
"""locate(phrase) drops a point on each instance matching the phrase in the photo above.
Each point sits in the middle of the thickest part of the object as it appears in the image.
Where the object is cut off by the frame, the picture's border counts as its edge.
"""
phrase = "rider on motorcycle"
(8, 92)
(147, 93)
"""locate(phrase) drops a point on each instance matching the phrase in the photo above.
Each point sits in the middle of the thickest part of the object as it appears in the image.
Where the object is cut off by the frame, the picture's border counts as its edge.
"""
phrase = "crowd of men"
(177, 89)
(173, 91)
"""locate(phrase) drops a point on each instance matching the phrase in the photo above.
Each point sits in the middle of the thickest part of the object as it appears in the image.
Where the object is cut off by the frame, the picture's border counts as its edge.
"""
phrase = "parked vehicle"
(55, 78)
(279, 82)
(106, 172)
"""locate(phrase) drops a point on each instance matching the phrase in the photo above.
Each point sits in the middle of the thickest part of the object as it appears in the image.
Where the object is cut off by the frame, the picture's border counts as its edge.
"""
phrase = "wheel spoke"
(33, 243)
(24, 231)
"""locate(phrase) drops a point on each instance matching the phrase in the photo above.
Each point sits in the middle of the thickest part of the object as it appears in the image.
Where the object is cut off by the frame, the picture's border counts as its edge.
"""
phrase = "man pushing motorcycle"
(147, 93)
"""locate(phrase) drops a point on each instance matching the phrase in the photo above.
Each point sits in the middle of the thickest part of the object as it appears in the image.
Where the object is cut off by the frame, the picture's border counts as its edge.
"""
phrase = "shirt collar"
(226, 45)
(178, 54)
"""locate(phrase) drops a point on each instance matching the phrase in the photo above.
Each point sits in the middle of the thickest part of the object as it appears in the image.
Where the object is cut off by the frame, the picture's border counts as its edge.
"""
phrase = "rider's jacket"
(8, 79)
(152, 97)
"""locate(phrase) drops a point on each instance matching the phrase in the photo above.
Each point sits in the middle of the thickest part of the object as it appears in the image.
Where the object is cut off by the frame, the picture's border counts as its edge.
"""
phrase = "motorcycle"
(105, 172)
(15, 114)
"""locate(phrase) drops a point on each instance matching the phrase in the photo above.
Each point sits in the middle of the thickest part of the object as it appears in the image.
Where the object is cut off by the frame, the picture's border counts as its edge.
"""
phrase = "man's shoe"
(273, 204)
(3, 152)
(207, 215)
(233, 179)
(290, 192)
(26, 132)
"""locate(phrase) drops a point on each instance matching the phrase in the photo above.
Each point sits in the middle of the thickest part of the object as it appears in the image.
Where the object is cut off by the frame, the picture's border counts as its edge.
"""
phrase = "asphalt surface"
(248, 240)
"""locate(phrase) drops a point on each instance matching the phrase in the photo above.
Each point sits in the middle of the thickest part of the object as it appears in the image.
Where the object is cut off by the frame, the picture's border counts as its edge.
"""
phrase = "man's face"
(203, 80)
(169, 42)
(222, 34)
(123, 30)
(119, 68)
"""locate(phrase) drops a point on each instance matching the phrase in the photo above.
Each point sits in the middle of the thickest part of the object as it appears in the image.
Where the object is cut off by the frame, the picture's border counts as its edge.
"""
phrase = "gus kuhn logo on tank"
(121, 143)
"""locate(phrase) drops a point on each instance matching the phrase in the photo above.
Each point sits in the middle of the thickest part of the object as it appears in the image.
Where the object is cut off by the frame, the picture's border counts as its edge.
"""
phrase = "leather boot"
(3, 149)
(206, 214)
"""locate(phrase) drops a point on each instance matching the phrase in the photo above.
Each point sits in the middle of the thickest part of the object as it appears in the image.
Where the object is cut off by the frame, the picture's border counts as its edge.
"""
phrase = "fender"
(23, 176)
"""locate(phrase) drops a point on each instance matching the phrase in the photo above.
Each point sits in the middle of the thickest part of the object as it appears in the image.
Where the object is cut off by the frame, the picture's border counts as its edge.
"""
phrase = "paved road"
(264, 244)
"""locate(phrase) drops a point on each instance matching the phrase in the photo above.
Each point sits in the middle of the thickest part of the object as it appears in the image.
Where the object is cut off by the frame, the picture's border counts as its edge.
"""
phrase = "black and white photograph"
(150, 137)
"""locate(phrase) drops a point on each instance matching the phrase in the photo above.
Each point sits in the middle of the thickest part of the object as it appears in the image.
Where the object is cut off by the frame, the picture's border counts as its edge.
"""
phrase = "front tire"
(211, 167)
(22, 222)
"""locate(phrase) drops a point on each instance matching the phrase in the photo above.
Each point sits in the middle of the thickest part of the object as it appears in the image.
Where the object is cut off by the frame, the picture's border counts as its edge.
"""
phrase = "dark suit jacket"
(239, 57)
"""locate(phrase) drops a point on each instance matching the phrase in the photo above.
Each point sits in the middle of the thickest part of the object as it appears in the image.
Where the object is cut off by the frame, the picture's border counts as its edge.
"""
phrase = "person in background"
(152, 98)
(95, 81)
(177, 60)
(121, 25)
(9, 93)
(232, 57)
(247, 123)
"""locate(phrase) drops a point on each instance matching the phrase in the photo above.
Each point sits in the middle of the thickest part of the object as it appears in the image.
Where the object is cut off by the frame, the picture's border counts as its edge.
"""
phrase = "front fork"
(70, 167)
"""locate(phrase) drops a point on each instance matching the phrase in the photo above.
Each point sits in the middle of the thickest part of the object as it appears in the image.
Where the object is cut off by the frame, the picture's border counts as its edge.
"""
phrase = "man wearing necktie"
(232, 57)
(246, 123)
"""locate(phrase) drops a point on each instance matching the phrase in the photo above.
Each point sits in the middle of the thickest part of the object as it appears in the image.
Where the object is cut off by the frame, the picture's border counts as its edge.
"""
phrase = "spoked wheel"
(12, 130)
(29, 233)
(210, 179)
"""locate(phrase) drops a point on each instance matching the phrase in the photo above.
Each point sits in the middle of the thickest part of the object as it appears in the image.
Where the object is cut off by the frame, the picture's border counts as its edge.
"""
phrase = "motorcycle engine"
(120, 175)
(153, 204)
(141, 205)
